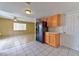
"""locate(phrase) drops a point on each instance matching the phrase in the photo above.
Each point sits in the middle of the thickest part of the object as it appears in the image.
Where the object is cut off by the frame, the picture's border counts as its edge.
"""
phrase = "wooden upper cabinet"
(56, 20)
(53, 21)
(49, 21)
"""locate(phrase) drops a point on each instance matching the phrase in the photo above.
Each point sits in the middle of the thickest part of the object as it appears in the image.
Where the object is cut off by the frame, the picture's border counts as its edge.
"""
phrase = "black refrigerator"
(41, 28)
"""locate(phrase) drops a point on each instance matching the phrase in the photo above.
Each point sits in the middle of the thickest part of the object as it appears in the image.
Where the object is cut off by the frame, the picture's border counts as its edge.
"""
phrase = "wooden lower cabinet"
(47, 37)
(52, 39)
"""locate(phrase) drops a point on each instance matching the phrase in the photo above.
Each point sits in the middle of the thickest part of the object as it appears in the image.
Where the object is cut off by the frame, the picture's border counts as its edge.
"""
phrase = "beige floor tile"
(25, 45)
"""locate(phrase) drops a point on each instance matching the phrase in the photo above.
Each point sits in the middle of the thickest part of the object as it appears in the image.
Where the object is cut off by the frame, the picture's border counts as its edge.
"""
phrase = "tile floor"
(27, 46)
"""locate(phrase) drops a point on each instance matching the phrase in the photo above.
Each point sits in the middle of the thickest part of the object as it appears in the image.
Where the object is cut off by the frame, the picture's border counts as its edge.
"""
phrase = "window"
(19, 26)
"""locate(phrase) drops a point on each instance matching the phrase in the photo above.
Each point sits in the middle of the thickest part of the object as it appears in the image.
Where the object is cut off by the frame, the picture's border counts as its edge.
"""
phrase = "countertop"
(53, 32)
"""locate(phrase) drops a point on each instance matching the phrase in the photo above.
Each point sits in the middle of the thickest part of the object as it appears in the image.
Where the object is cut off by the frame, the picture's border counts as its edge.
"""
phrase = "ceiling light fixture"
(28, 11)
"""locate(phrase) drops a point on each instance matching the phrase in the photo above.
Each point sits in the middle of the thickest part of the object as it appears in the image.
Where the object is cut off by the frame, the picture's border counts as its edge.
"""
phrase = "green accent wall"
(6, 27)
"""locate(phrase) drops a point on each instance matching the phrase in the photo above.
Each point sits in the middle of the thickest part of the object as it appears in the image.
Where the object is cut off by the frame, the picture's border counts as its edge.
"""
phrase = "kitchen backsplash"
(52, 29)
(57, 29)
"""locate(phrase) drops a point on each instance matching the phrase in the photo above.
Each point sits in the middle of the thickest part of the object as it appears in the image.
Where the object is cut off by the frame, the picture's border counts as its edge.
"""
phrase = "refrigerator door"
(39, 34)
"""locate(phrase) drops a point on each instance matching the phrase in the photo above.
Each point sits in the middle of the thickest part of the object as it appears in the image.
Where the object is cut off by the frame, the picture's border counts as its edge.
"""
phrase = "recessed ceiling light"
(28, 11)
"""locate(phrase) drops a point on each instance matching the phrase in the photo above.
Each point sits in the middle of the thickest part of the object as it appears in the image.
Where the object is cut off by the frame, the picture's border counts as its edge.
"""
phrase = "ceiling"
(39, 9)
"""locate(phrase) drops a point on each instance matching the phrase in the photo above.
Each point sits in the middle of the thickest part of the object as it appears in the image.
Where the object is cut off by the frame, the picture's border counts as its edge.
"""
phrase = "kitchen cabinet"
(53, 21)
(47, 37)
(52, 39)
(49, 19)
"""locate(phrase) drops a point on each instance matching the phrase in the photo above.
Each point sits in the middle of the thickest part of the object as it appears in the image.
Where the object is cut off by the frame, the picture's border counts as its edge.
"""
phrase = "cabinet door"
(55, 20)
(55, 40)
(49, 22)
(47, 38)
(58, 20)
(52, 40)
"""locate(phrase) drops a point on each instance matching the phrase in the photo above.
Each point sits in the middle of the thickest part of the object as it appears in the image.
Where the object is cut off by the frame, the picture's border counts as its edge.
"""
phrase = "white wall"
(71, 28)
